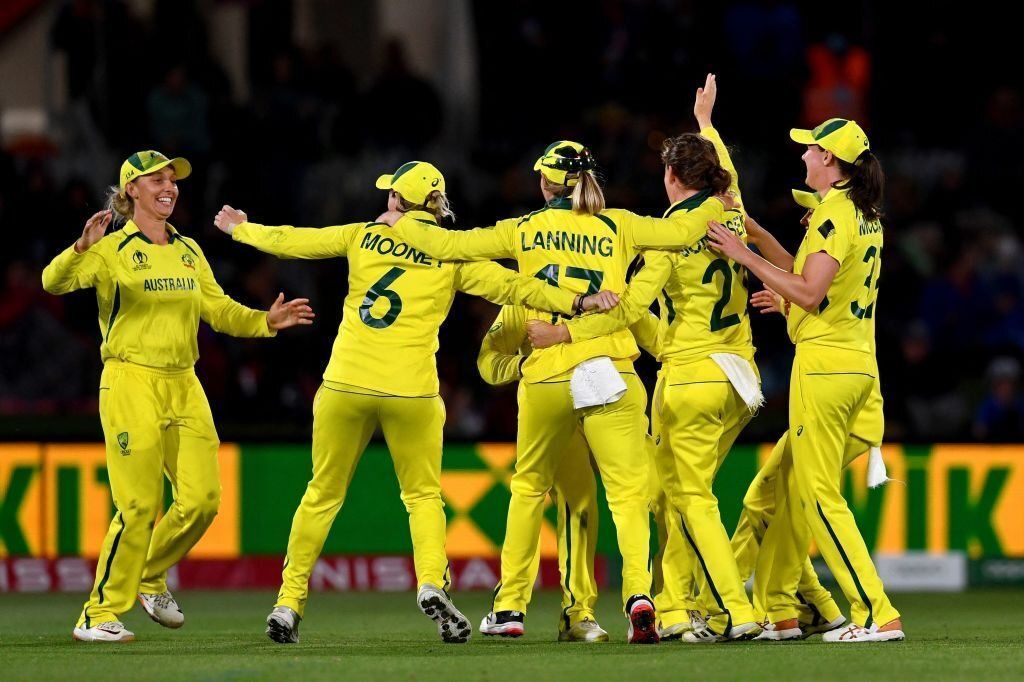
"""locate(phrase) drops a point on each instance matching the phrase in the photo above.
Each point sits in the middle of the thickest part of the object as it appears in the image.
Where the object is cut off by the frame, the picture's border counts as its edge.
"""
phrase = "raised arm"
(482, 243)
(703, 106)
(83, 264)
(285, 241)
(500, 360)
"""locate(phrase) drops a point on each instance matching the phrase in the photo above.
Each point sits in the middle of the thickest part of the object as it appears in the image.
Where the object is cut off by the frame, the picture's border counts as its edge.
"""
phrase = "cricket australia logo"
(122, 440)
(188, 261)
(141, 261)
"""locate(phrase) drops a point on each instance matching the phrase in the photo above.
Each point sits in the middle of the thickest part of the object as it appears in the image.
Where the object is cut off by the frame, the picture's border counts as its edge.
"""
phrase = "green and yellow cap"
(563, 161)
(144, 163)
(842, 137)
(414, 181)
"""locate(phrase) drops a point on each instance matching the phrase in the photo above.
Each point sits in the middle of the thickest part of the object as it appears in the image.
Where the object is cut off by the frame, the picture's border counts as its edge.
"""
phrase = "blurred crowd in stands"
(619, 77)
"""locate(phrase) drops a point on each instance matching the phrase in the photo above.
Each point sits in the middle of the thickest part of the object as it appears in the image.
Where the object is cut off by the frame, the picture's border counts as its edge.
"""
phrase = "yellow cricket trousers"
(701, 416)
(155, 423)
(615, 433)
(344, 419)
(829, 388)
(672, 568)
(575, 498)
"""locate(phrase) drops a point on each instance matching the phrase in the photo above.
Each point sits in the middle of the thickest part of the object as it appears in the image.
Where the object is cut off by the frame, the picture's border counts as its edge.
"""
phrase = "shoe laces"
(164, 600)
(113, 627)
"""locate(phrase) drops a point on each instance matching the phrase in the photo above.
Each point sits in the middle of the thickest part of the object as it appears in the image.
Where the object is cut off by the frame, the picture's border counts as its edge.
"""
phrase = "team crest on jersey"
(800, 430)
(122, 440)
(188, 261)
(141, 261)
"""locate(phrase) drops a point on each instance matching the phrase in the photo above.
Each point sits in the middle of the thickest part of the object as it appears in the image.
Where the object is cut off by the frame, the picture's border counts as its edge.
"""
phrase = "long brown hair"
(865, 180)
(695, 162)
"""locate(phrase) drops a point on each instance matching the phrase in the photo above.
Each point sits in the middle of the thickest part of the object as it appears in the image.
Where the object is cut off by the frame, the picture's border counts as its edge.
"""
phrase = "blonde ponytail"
(437, 204)
(120, 204)
(587, 196)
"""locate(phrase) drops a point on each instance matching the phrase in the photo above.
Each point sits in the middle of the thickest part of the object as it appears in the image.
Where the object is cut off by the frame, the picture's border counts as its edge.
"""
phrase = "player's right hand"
(704, 102)
(767, 301)
(95, 228)
(228, 218)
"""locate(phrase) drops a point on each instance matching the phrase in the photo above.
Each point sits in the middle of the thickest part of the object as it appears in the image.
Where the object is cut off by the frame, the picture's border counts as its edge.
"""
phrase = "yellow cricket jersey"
(398, 297)
(703, 294)
(151, 297)
(506, 346)
(580, 253)
(846, 316)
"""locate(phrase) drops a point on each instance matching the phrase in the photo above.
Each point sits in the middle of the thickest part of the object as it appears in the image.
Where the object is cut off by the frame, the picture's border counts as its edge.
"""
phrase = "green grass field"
(975, 635)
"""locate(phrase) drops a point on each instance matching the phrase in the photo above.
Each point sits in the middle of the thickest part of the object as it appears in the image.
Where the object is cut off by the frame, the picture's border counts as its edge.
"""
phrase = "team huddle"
(573, 320)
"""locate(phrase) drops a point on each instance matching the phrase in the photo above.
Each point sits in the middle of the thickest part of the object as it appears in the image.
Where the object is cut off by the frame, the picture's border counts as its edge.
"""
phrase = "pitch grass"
(383, 637)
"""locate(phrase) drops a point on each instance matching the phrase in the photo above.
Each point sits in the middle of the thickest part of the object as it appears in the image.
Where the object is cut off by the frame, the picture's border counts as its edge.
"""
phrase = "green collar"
(561, 202)
(422, 217)
(689, 204)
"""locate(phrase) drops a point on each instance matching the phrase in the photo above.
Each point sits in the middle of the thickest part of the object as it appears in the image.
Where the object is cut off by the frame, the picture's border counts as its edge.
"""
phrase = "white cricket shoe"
(503, 623)
(283, 625)
(705, 635)
(163, 609)
(782, 631)
(586, 630)
(452, 626)
(111, 631)
(855, 633)
(822, 626)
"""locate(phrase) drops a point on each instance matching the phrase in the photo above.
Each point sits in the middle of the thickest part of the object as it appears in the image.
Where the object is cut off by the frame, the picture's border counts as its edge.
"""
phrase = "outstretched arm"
(482, 243)
(285, 241)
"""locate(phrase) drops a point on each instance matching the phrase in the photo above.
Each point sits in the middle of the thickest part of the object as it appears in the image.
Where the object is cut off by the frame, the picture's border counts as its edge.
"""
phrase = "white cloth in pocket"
(742, 377)
(596, 382)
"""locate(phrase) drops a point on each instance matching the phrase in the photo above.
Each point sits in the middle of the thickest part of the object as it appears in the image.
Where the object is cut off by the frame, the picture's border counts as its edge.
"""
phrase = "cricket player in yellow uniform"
(502, 353)
(153, 285)
(382, 373)
(709, 384)
(833, 289)
(582, 246)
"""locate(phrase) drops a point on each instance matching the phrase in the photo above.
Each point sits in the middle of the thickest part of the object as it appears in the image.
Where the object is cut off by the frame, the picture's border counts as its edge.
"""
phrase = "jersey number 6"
(378, 289)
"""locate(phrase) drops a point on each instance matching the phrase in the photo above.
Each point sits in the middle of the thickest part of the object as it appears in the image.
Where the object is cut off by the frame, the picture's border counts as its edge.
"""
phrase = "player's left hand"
(725, 242)
(293, 313)
(228, 218)
(544, 335)
(602, 301)
(767, 301)
(389, 217)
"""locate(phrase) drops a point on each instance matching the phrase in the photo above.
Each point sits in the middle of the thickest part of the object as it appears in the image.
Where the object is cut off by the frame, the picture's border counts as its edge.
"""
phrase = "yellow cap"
(563, 161)
(414, 181)
(842, 137)
(144, 163)
(809, 200)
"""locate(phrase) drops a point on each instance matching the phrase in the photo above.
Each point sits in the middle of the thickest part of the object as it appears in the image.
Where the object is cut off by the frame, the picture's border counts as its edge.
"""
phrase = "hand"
(389, 217)
(767, 301)
(544, 335)
(725, 242)
(95, 228)
(228, 218)
(601, 301)
(704, 102)
(295, 312)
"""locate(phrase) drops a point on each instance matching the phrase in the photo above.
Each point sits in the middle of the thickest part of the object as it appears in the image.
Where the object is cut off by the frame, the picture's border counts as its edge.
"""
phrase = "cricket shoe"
(283, 625)
(781, 631)
(855, 633)
(111, 631)
(503, 623)
(821, 626)
(452, 626)
(586, 630)
(642, 620)
(162, 608)
(677, 630)
(705, 635)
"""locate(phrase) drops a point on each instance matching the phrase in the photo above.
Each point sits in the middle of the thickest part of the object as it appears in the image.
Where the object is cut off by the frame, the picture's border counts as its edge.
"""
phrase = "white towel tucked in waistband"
(742, 377)
(596, 382)
(877, 475)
